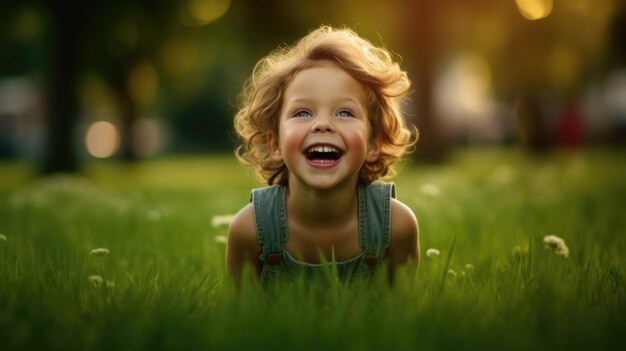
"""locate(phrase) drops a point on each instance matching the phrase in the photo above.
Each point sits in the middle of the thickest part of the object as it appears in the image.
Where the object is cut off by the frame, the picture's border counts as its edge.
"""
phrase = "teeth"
(323, 154)
(323, 149)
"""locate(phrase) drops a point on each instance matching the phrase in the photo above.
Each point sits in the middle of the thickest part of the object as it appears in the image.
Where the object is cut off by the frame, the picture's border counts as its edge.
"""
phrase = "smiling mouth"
(323, 154)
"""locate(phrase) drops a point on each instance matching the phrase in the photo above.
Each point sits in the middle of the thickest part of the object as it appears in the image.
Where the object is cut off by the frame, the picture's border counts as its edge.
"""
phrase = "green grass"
(164, 284)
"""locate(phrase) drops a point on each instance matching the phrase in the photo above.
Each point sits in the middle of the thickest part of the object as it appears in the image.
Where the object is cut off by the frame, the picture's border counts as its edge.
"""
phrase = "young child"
(321, 122)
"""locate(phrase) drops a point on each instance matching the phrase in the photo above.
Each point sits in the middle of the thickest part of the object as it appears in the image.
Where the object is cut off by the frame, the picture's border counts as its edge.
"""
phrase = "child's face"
(324, 130)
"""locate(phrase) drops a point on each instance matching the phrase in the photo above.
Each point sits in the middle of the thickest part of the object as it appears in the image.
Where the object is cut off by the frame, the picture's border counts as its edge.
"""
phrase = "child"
(320, 123)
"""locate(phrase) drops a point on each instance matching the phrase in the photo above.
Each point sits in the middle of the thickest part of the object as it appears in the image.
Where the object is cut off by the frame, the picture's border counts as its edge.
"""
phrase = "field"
(162, 284)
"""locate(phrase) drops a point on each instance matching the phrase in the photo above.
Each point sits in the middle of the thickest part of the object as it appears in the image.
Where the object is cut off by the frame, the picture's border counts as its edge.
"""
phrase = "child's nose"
(323, 124)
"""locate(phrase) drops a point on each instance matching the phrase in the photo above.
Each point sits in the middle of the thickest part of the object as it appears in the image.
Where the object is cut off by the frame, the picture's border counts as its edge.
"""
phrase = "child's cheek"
(291, 142)
(357, 149)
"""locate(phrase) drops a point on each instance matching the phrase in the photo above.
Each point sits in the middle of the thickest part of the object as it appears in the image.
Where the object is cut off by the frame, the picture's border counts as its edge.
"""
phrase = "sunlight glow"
(203, 12)
(180, 57)
(564, 67)
(474, 85)
(465, 102)
(534, 9)
(102, 139)
(465, 87)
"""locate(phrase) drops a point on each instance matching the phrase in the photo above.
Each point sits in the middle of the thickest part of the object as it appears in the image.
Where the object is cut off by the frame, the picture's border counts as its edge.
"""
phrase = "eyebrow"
(309, 100)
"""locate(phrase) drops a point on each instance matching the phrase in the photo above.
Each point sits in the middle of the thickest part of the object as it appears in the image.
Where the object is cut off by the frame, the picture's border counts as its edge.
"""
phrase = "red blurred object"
(570, 129)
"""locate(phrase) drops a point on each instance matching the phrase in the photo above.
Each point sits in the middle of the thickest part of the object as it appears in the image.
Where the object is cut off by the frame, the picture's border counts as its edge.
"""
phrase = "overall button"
(273, 259)
(371, 261)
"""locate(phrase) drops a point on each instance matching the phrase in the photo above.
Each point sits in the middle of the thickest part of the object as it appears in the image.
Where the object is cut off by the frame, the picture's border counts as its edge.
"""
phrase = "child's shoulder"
(242, 230)
(242, 248)
(404, 229)
(402, 217)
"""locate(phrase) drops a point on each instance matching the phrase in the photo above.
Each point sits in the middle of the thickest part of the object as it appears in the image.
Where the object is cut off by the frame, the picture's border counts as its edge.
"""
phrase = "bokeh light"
(175, 69)
(180, 57)
(26, 25)
(203, 12)
(534, 9)
(465, 87)
(564, 67)
(102, 139)
(474, 82)
(148, 137)
(143, 84)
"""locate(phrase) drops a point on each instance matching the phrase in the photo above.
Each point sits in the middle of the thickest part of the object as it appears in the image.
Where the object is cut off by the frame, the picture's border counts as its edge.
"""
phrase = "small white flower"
(556, 244)
(222, 220)
(3, 237)
(430, 190)
(99, 251)
(222, 239)
(452, 273)
(469, 268)
(432, 252)
(109, 284)
(95, 280)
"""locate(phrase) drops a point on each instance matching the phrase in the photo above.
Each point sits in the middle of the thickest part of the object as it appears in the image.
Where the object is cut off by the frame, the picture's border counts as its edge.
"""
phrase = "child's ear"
(272, 142)
(373, 151)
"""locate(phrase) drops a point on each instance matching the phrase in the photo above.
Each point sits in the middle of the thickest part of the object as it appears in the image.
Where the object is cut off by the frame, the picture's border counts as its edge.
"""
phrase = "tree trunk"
(62, 87)
(423, 45)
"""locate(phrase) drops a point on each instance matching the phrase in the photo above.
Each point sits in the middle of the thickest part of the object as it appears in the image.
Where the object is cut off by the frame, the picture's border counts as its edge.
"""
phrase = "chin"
(328, 184)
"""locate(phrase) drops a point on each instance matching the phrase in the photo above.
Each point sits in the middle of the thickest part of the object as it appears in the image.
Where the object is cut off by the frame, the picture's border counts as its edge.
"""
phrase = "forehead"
(324, 80)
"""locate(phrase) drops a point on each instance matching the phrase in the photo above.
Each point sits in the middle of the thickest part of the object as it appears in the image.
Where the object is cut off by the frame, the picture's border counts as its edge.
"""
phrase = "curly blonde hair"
(385, 83)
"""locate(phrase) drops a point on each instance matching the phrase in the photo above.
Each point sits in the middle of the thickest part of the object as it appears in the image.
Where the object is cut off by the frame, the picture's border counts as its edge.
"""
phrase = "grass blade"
(445, 269)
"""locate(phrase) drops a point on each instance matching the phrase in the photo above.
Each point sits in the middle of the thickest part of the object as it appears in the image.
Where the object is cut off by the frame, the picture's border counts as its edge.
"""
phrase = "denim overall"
(374, 210)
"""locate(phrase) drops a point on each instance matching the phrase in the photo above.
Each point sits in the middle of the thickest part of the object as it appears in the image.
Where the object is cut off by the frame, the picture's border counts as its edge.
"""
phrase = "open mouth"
(323, 154)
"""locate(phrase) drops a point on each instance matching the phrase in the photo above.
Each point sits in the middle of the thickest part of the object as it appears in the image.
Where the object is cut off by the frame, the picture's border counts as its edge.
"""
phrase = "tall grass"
(164, 286)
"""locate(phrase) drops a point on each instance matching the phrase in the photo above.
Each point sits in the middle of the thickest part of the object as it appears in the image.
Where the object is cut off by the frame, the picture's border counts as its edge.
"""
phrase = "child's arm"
(404, 246)
(242, 249)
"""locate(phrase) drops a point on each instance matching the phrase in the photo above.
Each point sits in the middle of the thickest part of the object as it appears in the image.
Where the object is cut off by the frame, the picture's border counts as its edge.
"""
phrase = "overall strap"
(269, 218)
(375, 217)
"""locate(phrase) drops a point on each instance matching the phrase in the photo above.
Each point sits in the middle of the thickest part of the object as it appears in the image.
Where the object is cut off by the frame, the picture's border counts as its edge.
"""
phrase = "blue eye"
(345, 113)
(302, 113)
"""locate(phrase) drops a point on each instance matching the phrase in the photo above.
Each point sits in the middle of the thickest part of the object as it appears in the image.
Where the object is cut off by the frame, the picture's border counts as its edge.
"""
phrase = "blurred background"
(139, 79)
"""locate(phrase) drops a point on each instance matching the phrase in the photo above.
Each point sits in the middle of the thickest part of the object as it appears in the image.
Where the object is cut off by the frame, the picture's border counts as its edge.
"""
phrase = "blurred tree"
(17, 28)
(617, 62)
(67, 25)
(117, 39)
(617, 36)
(531, 129)
(162, 56)
(130, 34)
(546, 57)
(420, 20)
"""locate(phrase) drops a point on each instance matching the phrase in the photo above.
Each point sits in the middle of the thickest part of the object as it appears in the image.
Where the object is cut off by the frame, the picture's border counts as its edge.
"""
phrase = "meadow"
(159, 281)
